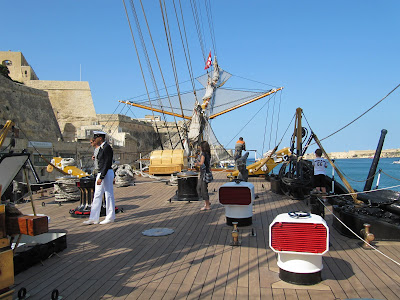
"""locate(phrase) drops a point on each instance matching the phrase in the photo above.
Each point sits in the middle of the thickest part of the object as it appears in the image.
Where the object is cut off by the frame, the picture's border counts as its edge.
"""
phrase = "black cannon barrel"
(372, 170)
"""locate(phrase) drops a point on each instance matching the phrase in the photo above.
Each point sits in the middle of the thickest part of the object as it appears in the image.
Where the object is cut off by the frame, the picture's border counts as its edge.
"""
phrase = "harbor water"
(356, 171)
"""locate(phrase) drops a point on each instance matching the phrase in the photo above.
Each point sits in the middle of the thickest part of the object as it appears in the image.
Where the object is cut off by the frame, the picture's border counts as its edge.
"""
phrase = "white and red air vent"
(300, 239)
(235, 195)
(237, 198)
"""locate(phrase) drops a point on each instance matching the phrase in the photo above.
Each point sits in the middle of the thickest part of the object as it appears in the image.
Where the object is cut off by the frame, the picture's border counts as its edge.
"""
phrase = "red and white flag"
(208, 62)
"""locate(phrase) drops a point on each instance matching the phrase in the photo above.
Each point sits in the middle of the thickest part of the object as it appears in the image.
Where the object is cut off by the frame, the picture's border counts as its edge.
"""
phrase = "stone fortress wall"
(30, 109)
(37, 128)
(62, 115)
(72, 104)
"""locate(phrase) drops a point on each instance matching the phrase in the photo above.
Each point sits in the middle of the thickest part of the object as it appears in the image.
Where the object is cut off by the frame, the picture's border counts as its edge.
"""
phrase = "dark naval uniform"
(106, 174)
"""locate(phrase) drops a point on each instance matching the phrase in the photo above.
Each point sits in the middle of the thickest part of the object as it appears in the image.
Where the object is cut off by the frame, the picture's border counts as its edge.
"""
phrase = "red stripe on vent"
(235, 195)
(298, 237)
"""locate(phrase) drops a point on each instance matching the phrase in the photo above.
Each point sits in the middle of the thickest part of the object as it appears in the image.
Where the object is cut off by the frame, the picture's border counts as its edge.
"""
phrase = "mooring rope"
(390, 176)
(364, 192)
(360, 238)
(348, 177)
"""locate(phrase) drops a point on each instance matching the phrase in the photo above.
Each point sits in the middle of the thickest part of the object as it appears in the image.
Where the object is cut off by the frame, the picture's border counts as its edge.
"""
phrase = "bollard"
(367, 236)
(235, 235)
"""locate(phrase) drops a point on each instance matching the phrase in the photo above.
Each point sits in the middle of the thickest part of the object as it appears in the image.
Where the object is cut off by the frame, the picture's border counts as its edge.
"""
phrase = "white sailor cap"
(98, 133)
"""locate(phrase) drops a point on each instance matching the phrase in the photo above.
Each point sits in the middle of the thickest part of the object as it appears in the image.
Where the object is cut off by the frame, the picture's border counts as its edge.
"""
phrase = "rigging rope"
(248, 122)
(141, 70)
(274, 86)
(132, 112)
(198, 28)
(361, 114)
(146, 55)
(90, 162)
(210, 24)
(139, 96)
(265, 127)
(162, 76)
(337, 165)
(380, 252)
(279, 111)
(272, 121)
(171, 51)
(188, 60)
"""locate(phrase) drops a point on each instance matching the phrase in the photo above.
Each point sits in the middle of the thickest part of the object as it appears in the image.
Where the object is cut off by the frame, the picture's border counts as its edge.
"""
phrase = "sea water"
(356, 172)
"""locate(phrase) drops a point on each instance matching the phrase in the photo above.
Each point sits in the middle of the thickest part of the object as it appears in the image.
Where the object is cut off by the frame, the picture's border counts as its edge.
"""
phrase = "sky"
(335, 59)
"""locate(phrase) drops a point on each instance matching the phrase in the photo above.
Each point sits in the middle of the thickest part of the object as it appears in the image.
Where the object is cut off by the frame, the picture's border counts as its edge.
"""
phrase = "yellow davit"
(270, 162)
(66, 165)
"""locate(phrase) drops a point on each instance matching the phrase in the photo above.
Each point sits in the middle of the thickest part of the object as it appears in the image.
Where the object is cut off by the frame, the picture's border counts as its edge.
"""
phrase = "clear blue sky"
(334, 58)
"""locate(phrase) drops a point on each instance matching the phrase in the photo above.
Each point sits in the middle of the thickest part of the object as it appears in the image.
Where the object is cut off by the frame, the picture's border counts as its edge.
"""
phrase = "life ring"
(49, 168)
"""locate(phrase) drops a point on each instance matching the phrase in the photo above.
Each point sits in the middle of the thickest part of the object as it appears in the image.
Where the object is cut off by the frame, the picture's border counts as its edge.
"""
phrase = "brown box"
(33, 225)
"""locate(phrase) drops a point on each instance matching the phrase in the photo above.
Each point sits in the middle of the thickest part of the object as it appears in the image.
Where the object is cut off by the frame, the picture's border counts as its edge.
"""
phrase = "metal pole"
(140, 161)
(374, 165)
(333, 178)
(29, 190)
(379, 178)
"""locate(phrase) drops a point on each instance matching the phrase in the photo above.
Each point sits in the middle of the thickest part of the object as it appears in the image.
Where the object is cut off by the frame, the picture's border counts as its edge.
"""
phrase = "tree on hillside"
(5, 71)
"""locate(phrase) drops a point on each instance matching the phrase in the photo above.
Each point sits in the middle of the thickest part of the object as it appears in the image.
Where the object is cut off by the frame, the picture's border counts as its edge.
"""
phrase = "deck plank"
(196, 262)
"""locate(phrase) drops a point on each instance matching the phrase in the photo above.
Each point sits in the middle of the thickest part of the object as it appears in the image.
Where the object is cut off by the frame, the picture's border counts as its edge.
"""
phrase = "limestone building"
(60, 116)
(71, 101)
(18, 66)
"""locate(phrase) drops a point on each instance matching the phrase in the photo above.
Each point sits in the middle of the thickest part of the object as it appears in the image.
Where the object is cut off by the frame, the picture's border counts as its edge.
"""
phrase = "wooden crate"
(33, 225)
(6, 269)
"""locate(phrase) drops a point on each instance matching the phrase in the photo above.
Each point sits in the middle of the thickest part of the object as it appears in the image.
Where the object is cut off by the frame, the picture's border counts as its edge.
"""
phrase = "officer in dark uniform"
(104, 182)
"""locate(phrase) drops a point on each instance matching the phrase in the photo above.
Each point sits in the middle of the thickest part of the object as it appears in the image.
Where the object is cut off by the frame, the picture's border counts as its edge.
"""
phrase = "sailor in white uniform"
(104, 182)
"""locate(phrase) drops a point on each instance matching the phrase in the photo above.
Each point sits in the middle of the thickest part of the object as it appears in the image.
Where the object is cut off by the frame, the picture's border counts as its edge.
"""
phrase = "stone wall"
(136, 136)
(72, 104)
(18, 66)
(30, 109)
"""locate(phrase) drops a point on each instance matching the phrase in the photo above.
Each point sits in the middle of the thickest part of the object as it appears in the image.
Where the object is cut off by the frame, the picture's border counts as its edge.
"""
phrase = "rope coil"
(65, 189)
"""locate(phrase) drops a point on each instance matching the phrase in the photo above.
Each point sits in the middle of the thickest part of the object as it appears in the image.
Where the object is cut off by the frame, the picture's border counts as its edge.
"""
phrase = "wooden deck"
(115, 261)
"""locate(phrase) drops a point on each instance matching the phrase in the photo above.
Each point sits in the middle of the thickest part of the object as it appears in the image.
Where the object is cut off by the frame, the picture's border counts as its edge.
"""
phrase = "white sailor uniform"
(106, 174)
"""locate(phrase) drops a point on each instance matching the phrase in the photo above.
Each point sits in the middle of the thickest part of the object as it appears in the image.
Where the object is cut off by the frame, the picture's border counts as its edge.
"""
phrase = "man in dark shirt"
(104, 182)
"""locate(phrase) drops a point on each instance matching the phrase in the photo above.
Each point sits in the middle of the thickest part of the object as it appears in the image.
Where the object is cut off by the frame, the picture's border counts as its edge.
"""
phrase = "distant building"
(18, 66)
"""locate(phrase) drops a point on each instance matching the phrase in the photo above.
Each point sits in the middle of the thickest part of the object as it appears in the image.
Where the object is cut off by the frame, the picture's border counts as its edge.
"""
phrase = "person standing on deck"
(104, 182)
(204, 164)
(239, 147)
(94, 157)
(320, 165)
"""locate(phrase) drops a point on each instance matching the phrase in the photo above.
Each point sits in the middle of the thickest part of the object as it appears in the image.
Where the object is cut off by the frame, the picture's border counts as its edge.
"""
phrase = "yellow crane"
(4, 131)
(270, 161)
